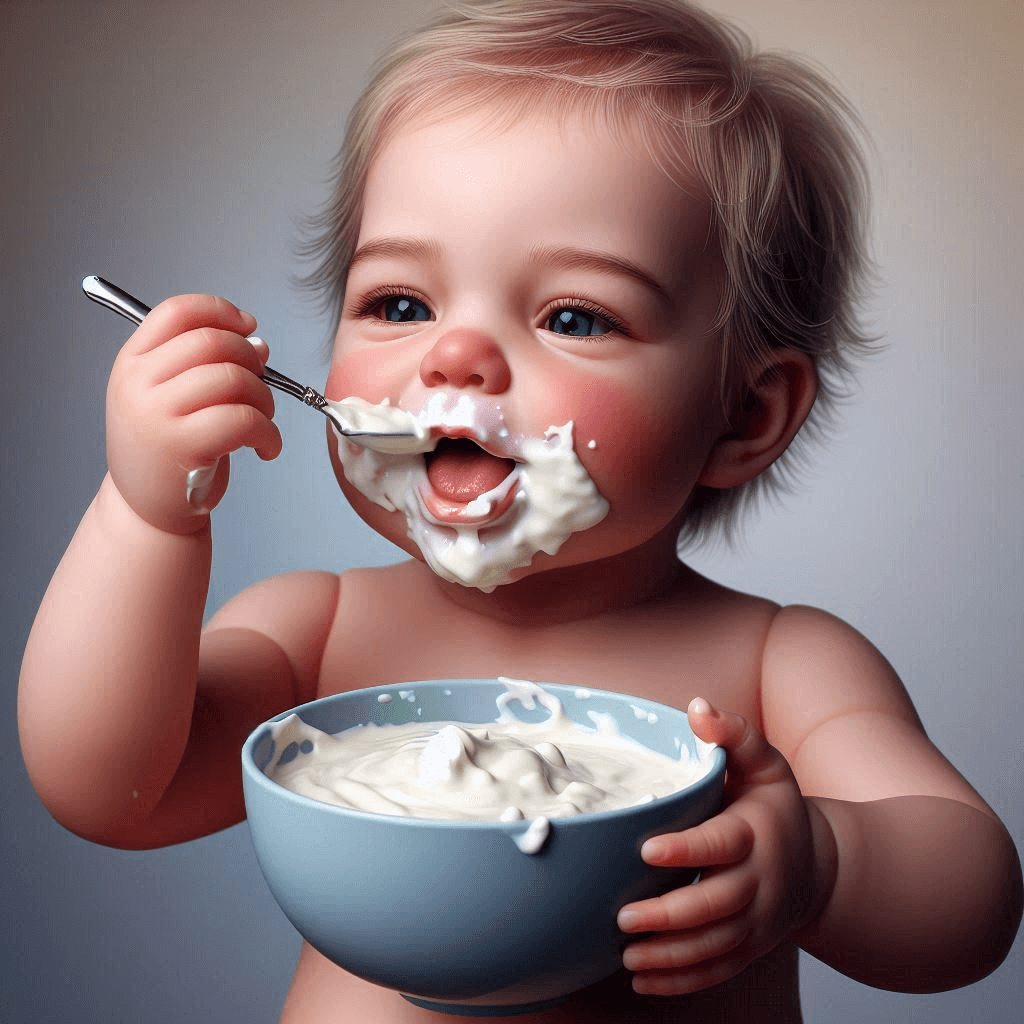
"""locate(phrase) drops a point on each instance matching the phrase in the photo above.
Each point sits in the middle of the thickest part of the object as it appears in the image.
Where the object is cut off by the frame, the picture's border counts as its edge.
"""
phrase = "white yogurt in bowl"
(506, 770)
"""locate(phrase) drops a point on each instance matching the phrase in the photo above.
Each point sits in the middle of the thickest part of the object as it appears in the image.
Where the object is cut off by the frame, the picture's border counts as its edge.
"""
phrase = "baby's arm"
(110, 673)
(851, 836)
(927, 892)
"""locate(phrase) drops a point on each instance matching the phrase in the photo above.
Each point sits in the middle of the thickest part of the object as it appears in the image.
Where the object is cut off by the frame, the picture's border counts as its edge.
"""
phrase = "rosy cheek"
(605, 427)
(358, 374)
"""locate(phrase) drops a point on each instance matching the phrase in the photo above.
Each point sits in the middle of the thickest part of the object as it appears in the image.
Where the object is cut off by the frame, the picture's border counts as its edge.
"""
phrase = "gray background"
(171, 146)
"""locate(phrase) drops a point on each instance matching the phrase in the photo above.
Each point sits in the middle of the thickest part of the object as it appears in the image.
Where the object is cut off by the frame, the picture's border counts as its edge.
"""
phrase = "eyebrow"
(601, 263)
(558, 255)
(389, 248)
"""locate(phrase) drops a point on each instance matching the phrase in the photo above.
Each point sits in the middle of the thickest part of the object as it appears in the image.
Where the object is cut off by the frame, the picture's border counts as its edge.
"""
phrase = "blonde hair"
(771, 140)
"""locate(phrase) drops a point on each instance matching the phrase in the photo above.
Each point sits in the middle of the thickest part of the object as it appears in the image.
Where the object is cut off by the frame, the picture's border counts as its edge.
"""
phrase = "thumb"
(262, 348)
(750, 757)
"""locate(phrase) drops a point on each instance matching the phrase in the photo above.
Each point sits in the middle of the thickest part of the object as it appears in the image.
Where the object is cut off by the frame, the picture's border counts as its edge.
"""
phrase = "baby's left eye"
(578, 323)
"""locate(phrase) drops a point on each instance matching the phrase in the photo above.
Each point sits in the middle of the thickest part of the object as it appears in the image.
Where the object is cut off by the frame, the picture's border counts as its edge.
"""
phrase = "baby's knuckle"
(667, 911)
(722, 841)
(209, 339)
(181, 308)
(176, 305)
(711, 944)
(234, 377)
(222, 306)
(744, 838)
(745, 891)
(248, 419)
(716, 843)
(703, 906)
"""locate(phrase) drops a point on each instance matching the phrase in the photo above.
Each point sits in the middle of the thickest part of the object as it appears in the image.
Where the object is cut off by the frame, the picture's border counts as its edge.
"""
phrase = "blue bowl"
(453, 914)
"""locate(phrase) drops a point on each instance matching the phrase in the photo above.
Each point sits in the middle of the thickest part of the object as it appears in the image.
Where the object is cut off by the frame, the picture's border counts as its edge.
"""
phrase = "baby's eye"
(579, 322)
(400, 309)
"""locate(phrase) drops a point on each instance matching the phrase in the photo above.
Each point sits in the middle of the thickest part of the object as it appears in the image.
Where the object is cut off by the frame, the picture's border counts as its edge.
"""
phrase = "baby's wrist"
(122, 514)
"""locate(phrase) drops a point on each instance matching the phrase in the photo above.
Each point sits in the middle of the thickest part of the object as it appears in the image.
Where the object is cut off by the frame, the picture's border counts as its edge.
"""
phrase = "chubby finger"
(682, 949)
(713, 898)
(215, 384)
(750, 755)
(200, 347)
(226, 428)
(724, 839)
(182, 313)
(683, 980)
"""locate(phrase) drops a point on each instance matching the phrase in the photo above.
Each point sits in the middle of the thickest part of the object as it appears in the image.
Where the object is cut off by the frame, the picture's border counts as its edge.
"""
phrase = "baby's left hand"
(758, 883)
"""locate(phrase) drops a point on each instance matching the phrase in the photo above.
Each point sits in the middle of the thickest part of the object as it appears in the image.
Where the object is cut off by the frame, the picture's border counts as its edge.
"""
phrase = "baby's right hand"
(185, 390)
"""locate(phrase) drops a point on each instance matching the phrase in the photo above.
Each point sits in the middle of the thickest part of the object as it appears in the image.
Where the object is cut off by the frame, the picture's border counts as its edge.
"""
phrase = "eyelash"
(373, 298)
(616, 325)
(365, 305)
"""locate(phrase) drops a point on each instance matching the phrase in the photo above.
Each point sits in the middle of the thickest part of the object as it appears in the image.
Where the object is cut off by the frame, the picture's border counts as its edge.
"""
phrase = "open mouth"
(459, 470)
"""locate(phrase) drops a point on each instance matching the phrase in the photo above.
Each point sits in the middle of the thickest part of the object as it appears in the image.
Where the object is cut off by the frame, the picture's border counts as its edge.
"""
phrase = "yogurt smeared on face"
(508, 770)
(546, 497)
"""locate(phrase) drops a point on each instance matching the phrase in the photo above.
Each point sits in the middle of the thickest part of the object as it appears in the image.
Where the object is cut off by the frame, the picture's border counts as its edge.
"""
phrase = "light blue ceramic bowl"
(453, 914)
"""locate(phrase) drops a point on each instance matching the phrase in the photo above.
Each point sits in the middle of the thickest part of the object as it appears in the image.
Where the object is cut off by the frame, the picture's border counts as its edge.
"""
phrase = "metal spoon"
(109, 295)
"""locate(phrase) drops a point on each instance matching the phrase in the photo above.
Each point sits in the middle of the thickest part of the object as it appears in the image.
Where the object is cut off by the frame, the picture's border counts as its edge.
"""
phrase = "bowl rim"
(713, 778)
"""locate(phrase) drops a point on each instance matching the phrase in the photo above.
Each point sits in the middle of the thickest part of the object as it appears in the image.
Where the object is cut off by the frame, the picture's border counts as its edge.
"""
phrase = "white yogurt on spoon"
(384, 427)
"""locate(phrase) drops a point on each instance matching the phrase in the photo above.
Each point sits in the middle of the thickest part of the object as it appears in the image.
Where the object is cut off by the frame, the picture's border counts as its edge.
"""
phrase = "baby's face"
(551, 275)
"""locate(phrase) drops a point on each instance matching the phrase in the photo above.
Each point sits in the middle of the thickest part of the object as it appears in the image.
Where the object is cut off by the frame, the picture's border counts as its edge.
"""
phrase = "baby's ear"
(764, 421)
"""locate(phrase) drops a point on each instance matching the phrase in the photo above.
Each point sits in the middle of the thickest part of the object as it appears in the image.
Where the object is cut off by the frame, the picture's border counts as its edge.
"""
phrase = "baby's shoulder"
(717, 612)
(281, 603)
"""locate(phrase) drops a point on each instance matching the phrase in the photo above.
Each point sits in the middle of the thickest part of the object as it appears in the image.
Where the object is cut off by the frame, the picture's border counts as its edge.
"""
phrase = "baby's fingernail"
(699, 706)
(247, 317)
(628, 919)
(653, 849)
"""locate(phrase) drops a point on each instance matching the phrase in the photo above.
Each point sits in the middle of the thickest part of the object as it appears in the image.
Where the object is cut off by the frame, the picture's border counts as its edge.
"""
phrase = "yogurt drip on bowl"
(548, 494)
(507, 770)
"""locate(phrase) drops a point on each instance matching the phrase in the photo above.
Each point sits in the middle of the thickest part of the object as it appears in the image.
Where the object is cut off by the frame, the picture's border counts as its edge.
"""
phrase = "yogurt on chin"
(546, 498)
(507, 770)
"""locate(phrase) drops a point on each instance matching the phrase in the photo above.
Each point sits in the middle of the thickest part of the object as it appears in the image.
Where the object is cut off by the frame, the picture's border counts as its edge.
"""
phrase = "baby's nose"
(466, 358)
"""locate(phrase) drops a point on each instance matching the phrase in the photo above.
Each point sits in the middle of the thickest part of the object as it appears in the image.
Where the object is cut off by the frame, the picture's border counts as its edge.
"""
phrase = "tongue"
(461, 470)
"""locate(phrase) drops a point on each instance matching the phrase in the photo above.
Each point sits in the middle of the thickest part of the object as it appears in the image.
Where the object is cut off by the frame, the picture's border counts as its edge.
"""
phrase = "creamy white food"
(508, 770)
(536, 507)
(383, 427)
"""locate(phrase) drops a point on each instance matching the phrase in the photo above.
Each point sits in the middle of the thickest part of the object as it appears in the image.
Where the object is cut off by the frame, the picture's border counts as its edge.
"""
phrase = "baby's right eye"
(393, 306)
(390, 303)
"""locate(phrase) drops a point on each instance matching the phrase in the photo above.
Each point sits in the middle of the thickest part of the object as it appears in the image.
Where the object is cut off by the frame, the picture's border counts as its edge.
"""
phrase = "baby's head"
(766, 139)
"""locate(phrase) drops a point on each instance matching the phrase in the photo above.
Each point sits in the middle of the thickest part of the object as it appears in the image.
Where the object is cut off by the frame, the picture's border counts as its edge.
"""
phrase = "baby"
(602, 233)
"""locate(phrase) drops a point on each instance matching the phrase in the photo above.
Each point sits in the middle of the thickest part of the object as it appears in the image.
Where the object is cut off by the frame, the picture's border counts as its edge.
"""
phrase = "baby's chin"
(577, 551)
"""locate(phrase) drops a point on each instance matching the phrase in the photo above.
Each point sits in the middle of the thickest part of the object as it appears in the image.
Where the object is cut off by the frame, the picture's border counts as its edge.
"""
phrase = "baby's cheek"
(629, 445)
(358, 375)
(605, 432)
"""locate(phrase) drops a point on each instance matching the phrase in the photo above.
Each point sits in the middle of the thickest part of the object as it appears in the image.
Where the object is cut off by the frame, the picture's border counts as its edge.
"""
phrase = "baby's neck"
(576, 592)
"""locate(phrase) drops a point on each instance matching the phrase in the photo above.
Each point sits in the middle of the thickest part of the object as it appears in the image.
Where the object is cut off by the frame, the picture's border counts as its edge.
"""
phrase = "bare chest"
(669, 653)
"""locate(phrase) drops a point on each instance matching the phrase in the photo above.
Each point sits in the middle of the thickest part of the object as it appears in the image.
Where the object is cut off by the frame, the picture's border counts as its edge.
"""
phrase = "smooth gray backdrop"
(172, 146)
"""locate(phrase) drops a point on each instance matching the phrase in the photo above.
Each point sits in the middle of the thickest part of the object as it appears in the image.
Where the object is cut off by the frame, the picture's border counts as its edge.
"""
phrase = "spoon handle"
(109, 295)
(117, 299)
